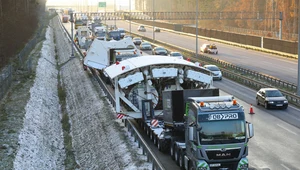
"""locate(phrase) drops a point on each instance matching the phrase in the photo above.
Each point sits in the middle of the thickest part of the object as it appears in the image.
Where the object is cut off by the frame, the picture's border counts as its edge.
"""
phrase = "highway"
(276, 66)
(277, 135)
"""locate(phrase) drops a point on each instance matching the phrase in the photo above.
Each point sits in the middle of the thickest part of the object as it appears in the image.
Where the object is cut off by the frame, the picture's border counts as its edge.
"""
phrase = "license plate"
(214, 165)
(279, 104)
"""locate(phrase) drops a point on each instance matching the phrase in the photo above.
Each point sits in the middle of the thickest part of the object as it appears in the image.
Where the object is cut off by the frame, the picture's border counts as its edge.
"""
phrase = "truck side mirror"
(250, 130)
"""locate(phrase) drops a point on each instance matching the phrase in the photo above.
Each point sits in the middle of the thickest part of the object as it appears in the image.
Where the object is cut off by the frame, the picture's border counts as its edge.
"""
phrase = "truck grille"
(228, 154)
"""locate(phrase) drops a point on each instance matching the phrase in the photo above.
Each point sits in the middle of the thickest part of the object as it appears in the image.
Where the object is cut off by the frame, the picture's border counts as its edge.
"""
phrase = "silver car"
(145, 46)
(176, 54)
(216, 72)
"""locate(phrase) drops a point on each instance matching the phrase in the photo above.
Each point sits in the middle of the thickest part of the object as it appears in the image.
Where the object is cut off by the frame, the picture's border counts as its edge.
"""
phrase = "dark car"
(137, 40)
(141, 28)
(114, 35)
(156, 29)
(159, 51)
(271, 98)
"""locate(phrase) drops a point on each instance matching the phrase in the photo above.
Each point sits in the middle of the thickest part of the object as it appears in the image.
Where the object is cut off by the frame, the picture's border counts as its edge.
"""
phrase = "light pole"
(72, 46)
(115, 12)
(298, 85)
(105, 12)
(130, 16)
(196, 28)
(153, 21)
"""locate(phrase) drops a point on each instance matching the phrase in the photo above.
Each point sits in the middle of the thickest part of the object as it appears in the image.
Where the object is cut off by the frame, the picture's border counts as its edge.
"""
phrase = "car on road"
(122, 31)
(113, 35)
(128, 36)
(156, 29)
(141, 28)
(137, 40)
(145, 46)
(271, 98)
(159, 51)
(176, 54)
(216, 72)
(209, 48)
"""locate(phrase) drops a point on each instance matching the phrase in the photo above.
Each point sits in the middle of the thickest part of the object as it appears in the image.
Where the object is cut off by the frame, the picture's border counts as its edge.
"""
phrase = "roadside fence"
(21, 61)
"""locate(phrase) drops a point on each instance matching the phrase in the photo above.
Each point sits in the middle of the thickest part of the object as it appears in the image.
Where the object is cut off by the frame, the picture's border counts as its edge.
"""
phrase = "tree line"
(18, 23)
(266, 8)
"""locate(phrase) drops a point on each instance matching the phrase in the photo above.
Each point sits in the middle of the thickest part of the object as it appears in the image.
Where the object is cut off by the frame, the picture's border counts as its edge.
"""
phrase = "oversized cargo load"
(174, 103)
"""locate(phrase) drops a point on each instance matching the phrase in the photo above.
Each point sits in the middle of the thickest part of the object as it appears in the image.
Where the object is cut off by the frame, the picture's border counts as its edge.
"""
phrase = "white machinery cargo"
(101, 53)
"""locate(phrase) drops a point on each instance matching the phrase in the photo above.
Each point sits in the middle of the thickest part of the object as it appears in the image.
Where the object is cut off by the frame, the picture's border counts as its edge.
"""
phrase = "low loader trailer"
(174, 102)
(200, 129)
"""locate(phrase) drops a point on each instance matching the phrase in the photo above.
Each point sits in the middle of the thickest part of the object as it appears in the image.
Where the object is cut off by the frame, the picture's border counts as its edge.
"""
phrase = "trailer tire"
(190, 166)
(155, 140)
(172, 152)
(181, 160)
(163, 145)
(177, 152)
(148, 131)
(151, 135)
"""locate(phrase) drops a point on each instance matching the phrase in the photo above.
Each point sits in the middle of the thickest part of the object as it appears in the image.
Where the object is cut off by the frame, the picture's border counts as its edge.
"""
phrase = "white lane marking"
(287, 129)
(285, 167)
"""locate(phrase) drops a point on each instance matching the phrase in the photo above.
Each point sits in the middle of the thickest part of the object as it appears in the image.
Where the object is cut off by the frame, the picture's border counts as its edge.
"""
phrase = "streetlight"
(115, 12)
(72, 20)
(196, 28)
(298, 85)
(130, 16)
(153, 21)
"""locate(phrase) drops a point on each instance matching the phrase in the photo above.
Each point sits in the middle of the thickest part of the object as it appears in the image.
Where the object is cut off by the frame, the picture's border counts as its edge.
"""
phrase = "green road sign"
(102, 4)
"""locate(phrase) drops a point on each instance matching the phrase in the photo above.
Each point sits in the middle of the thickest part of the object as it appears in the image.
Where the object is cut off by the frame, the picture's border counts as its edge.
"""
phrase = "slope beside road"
(32, 128)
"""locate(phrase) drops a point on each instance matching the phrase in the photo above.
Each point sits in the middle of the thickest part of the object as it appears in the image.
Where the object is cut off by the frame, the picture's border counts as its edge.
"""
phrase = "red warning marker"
(154, 122)
(120, 116)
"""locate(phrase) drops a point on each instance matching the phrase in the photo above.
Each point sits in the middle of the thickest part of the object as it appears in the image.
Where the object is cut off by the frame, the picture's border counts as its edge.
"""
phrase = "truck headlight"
(202, 165)
(243, 164)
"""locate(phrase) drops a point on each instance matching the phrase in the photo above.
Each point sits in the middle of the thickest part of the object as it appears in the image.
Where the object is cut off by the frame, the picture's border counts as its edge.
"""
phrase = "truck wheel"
(177, 152)
(148, 131)
(181, 161)
(155, 140)
(165, 146)
(159, 145)
(151, 135)
(172, 152)
(190, 166)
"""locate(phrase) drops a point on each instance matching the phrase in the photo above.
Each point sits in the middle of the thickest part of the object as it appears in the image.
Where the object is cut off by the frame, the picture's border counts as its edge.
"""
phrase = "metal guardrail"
(156, 165)
(242, 79)
(275, 82)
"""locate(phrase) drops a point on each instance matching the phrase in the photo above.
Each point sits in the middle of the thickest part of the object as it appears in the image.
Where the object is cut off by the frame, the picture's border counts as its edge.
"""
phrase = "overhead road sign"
(102, 4)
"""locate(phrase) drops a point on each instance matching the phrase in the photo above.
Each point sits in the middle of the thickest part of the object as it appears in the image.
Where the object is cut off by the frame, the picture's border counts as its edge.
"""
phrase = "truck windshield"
(222, 132)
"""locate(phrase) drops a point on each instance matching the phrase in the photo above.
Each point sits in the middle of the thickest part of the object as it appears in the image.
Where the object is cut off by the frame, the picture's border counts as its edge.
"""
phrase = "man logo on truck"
(223, 154)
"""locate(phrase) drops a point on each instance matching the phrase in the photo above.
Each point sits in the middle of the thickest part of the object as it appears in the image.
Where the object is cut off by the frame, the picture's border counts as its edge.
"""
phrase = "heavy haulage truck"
(175, 104)
(200, 129)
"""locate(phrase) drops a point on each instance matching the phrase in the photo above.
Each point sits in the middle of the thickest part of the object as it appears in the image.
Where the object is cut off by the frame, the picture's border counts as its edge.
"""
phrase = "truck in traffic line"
(200, 129)
(65, 18)
(175, 104)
